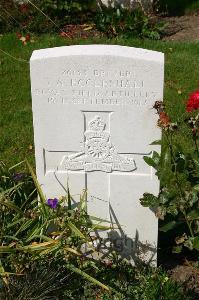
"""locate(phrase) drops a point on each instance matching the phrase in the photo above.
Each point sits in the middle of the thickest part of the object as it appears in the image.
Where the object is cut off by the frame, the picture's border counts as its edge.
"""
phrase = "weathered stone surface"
(93, 122)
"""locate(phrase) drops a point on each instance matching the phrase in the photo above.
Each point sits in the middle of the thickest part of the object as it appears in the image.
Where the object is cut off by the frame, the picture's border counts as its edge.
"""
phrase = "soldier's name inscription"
(97, 87)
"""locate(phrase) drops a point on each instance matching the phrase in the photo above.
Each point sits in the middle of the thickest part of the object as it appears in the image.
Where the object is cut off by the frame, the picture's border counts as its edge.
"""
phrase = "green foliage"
(8, 15)
(41, 15)
(61, 7)
(16, 122)
(52, 15)
(127, 23)
(133, 283)
(41, 253)
(177, 7)
(17, 185)
(32, 231)
(178, 170)
(192, 8)
(68, 11)
(49, 280)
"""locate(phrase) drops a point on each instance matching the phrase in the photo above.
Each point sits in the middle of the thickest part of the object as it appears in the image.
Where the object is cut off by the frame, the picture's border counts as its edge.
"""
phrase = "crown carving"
(96, 124)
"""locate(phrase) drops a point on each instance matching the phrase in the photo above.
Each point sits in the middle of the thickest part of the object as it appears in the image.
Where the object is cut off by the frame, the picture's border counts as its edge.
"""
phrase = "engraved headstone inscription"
(93, 123)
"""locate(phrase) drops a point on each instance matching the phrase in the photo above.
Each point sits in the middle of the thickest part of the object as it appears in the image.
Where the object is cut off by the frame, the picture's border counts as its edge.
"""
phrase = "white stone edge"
(98, 50)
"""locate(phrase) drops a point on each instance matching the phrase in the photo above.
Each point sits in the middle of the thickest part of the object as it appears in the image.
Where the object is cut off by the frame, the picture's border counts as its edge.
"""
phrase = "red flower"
(164, 119)
(27, 37)
(193, 102)
(23, 8)
(23, 39)
(18, 34)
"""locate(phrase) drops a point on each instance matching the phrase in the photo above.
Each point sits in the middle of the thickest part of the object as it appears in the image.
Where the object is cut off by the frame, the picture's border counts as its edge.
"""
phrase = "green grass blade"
(100, 220)
(76, 230)
(39, 190)
(83, 201)
(69, 198)
(29, 197)
(6, 249)
(86, 276)
(15, 223)
(73, 251)
(34, 232)
(100, 227)
(2, 270)
(8, 191)
(49, 250)
(11, 205)
(16, 165)
(39, 246)
(24, 226)
(42, 237)
(10, 237)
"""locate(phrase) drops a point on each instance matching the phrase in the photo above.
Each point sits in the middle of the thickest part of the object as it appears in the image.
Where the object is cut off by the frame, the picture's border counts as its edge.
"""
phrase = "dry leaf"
(88, 28)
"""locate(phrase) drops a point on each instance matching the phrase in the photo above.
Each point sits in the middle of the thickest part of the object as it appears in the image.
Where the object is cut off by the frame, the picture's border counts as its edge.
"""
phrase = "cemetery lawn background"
(16, 136)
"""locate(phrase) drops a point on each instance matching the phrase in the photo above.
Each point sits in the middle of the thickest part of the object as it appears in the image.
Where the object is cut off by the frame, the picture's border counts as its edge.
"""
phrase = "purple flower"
(52, 203)
(18, 176)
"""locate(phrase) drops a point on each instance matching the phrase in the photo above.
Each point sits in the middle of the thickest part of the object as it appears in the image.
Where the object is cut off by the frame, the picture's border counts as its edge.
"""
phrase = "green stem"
(169, 142)
(195, 136)
(196, 145)
(188, 224)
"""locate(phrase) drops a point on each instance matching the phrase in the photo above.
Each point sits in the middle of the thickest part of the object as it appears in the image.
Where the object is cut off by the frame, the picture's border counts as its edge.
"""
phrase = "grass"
(127, 282)
(16, 136)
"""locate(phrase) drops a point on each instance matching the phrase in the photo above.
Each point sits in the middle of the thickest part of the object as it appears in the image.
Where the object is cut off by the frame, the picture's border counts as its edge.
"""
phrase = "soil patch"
(189, 277)
(184, 28)
(80, 31)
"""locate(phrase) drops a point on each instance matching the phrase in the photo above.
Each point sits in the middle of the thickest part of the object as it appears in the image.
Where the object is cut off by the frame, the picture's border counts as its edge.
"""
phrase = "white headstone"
(141, 4)
(93, 122)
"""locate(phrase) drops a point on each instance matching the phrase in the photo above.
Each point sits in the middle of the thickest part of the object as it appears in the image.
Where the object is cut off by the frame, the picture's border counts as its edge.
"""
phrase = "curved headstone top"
(95, 50)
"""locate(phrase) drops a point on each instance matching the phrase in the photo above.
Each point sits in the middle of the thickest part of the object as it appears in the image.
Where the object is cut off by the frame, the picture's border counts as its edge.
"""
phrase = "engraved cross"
(97, 162)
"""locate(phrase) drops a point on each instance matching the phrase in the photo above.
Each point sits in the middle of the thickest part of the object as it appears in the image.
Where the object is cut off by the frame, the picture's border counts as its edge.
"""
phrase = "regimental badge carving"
(99, 153)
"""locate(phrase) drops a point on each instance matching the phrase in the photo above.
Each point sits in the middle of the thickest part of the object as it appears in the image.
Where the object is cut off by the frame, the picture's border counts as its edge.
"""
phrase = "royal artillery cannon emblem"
(99, 153)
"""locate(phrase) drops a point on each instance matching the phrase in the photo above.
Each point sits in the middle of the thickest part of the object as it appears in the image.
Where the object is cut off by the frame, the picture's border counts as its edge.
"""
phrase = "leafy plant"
(51, 281)
(32, 231)
(127, 23)
(43, 15)
(178, 201)
(177, 7)
(52, 15)
(60, 7)
(41, 253)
